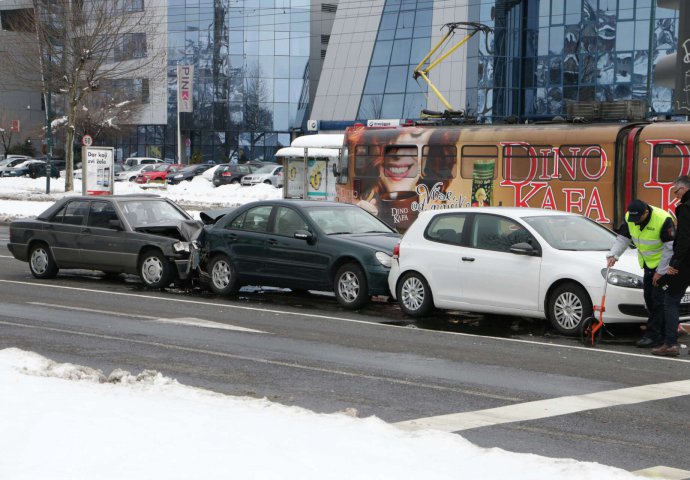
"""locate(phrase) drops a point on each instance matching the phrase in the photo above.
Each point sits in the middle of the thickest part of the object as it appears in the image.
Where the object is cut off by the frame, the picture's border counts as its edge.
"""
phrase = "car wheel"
(234, 182)
(350, 286)
(414, 295)
(41, 262)
(223, 275)
(268, 182)
(155, 269)
(568, 305)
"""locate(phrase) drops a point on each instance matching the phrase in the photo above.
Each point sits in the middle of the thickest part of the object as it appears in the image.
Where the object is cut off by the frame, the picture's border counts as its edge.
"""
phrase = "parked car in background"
(270, 174)
(227, 173)
(30, 168)
(130, 173)
(158, 174)
(187, 173)
(303, 245)
(515, 261)
(145, 235)
(11, 162)
(117, 168)
(134, 161)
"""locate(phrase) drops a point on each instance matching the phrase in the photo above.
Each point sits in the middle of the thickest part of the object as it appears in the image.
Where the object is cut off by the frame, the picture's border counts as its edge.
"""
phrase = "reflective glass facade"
(543, 53)
(403, 39)
(250, 59)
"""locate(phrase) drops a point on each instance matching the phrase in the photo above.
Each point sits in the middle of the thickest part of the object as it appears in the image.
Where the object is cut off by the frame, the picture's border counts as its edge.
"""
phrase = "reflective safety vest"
(648, 240)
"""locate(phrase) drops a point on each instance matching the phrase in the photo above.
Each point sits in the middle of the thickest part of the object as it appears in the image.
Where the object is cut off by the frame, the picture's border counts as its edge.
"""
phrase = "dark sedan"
(227, 173)
(302, 245)
(187, 173)
(145, 235)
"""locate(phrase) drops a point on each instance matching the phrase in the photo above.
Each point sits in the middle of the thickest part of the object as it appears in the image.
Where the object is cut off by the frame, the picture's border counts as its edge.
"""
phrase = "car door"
(243, 238)
(63, 232)
(492, 275)
(293, 262)
(440, 256)
(103, 245)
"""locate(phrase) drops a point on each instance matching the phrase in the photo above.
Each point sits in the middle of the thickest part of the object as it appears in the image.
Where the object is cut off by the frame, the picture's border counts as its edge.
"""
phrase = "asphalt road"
(501, 382)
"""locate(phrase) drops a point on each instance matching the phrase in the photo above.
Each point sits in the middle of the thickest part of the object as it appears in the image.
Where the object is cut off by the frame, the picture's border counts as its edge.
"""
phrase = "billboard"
(184, 88)
(97, 170)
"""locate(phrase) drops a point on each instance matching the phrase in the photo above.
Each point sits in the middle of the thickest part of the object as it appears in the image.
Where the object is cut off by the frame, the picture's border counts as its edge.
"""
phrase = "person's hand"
(656, 278)
(610, 261)
(671, 271)
(369, 206)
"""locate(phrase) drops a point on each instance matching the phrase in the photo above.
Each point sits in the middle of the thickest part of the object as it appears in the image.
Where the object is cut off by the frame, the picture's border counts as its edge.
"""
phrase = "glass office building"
(543, 53)
(250, 61)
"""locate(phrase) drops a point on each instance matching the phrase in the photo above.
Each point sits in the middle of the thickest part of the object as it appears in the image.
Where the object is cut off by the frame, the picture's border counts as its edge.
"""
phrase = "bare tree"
(372, 107)
(6, 131)
(83, 46)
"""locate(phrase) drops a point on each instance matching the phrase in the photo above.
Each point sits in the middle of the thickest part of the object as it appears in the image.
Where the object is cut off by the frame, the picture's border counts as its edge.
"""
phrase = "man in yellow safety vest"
(652, 231)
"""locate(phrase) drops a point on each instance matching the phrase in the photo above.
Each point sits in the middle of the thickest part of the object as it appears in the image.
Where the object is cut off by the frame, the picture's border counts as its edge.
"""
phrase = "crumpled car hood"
(185, 230)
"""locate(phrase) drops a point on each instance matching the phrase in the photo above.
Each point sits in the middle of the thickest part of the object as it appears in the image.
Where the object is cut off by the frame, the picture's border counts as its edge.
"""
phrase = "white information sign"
(97, 170)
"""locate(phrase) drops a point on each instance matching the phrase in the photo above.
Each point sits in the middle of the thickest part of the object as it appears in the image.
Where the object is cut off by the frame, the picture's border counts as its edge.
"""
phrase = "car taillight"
(226, 174)
(396, 251)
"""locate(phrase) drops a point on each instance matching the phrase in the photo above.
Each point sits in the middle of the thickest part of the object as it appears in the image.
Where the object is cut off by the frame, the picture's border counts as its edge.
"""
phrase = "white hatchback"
(516, 261)
(268, 174)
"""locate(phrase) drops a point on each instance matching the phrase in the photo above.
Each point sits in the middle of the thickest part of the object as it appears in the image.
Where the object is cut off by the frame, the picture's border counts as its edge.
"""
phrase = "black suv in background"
(227, 173)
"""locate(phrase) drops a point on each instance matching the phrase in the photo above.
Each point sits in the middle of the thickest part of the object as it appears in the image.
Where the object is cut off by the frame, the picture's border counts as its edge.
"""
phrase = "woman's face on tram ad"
(400, 170)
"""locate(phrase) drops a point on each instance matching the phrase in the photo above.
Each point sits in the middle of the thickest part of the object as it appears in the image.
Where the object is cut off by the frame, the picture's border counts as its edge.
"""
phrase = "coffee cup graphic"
(398, 207)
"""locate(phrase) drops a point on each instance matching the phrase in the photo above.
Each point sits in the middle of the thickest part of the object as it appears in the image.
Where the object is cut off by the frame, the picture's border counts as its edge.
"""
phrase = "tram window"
(672, 158)
(439, 161)
(581, 163)
(519, 161)
(484, 155)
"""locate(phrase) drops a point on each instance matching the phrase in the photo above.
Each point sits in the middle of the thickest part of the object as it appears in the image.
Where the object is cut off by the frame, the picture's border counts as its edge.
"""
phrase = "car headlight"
(623, 279)
(180, 247)
(384, 259)
(178, 176)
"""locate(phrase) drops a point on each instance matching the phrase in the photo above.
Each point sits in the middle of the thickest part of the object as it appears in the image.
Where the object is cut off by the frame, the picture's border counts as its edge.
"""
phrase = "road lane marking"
(665, 473)
(190, 321)
(352, 320)
(552, 407)
(265, 361)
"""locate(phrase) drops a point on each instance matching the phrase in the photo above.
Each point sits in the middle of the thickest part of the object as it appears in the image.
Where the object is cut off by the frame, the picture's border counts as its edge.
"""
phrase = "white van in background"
(134, 161)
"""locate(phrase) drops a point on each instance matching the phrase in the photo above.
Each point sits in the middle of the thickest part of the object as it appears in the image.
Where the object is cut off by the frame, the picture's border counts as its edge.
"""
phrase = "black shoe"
(648, 343)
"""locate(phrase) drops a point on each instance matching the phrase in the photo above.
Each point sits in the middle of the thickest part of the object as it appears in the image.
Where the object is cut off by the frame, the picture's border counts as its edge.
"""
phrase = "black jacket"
(681, 247)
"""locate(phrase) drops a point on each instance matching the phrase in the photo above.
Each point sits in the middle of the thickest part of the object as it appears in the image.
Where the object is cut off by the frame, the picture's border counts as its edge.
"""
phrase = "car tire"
(222, 275)
(155, 270)
(41, 262)
(568, 306)
(234, 182)
(350, 286)
(414, 295)
(268, 182)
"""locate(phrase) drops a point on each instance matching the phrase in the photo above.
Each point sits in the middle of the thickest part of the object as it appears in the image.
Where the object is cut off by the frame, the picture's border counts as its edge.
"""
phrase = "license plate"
(686, 298)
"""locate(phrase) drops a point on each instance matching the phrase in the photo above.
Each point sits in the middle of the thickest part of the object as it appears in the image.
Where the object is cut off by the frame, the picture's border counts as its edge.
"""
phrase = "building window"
(18, 20)
(129, 6)
(329, 7)
(325, 39)
(135, 89)
(130, 46)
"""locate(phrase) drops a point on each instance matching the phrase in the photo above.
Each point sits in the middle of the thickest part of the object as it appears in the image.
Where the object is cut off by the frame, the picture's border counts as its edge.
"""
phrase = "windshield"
(572, 232)
(339, 220)
(161, 168)
(265, 169)
(151, 212)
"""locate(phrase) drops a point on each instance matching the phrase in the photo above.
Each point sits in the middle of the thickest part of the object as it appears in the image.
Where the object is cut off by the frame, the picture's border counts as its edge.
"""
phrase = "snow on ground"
(62, 421)
(26, 197)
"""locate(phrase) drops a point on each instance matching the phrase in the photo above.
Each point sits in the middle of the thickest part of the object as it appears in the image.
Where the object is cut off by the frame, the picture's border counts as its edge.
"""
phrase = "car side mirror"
(524, 248)
(304, 235)
(115, 224)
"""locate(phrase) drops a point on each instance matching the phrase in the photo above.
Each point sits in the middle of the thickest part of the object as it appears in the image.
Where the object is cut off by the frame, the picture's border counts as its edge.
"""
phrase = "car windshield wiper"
(339, 233)
(377, 231)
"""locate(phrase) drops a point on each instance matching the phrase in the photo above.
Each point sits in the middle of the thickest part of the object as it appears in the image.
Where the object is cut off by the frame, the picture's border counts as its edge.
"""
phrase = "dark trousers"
(671, 317)
(654, 300)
